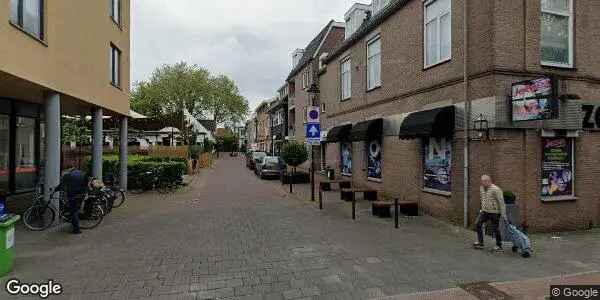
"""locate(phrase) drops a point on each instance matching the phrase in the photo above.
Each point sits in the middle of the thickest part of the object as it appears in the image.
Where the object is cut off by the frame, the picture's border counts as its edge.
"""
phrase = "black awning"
(437, 122)
(339, 133)
(367, 130)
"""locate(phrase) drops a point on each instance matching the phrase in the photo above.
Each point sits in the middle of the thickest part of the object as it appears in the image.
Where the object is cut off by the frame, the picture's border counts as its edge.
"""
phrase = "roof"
(368, 26)
(210, 125)
(310, 50)
(136, 115)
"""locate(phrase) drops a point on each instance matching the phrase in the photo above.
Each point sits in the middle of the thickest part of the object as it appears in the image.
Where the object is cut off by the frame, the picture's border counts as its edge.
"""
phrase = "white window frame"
(571, 16)
(343, 96)
(373, 85)
(437, 19)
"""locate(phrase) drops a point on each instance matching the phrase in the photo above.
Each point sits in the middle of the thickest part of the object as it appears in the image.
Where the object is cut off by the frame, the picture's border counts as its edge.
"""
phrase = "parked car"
(253, 157)
(270, 166)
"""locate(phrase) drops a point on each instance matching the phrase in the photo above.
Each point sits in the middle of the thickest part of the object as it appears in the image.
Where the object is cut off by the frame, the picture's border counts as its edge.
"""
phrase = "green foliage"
(76, 130)
(195, 151)
(173, 88)
(294, 154)
(227, 143)
(208, 146)
(136, 164)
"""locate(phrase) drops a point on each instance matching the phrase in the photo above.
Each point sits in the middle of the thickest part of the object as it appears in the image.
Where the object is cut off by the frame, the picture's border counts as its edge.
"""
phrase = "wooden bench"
(325, 185)
(382, 209)
(348, 194)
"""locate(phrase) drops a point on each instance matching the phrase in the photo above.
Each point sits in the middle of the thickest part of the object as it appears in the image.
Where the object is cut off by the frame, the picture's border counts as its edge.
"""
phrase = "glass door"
(4, 152)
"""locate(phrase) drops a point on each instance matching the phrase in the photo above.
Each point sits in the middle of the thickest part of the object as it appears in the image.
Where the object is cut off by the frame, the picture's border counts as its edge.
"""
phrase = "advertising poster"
(437, 164)
(534, 100)
(557, 167)
(346, 153)
(374, 159)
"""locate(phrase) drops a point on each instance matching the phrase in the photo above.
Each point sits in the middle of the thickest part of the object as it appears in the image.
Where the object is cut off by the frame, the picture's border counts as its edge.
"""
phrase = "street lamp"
(313, 93)
(481, 125)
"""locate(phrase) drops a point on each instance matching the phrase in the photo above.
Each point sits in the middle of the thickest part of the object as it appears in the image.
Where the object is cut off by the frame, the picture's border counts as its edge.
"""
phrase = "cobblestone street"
(231, 235)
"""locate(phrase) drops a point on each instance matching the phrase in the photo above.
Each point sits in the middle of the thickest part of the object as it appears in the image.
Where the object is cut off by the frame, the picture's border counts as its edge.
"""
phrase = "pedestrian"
(74, 183)
(492, 209)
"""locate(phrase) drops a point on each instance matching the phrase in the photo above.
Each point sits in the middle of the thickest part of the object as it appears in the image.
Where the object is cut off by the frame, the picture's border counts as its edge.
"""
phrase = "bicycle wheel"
(39, 217)
(119, 198)
(91, 217)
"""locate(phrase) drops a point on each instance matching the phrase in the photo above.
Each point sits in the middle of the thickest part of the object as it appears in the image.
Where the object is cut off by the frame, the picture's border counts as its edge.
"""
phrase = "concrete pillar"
(97, 143)
(52, 159)
(123, 151)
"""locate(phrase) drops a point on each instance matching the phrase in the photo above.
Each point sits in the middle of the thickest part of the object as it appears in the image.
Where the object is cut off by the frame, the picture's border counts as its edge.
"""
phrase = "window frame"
(119, 19)
(114, 49)
(20, 22)
(347, 60)
(372, 41)
(571, 16)
(437, 19)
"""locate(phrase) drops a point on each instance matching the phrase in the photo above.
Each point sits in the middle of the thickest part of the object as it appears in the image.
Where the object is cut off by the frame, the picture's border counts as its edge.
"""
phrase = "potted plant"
(294, 154)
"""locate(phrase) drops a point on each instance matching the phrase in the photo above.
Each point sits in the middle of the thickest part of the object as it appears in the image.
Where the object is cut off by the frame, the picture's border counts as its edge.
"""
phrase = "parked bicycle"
(115, 191)
(42, 213)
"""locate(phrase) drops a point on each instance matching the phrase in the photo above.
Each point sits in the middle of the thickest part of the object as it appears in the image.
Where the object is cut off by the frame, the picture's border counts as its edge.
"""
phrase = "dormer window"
(355, 17)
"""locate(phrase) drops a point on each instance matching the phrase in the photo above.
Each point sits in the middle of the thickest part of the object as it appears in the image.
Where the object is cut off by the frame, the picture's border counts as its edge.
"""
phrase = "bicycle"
(114, 191)
(42, 214)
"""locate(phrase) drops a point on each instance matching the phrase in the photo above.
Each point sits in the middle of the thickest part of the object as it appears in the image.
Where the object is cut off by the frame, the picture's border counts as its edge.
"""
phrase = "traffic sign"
(313, 114)
(313, 133)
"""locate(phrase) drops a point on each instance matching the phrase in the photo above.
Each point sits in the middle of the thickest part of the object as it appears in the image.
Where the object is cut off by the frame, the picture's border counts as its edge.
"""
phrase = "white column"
(52, 159)
(123, 154)
(97, 143)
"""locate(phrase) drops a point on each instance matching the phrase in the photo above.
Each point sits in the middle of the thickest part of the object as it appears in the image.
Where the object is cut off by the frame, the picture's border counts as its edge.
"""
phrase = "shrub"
(294, 154)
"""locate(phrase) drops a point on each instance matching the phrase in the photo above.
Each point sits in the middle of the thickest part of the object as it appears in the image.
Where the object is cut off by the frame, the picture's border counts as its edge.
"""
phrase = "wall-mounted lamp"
(482, 127)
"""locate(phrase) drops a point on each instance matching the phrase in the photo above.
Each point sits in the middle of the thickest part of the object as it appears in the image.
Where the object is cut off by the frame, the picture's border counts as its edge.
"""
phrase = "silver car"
(270, 166)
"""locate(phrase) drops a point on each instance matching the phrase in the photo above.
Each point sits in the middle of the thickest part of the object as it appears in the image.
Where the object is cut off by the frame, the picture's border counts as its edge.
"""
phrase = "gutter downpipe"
(467, 117)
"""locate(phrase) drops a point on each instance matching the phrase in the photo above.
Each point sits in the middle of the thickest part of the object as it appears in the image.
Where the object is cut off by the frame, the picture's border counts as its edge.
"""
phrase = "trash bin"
(7, 243)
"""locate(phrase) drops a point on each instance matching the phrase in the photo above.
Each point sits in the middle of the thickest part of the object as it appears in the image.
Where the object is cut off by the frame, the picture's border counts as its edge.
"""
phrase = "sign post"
(313, 137)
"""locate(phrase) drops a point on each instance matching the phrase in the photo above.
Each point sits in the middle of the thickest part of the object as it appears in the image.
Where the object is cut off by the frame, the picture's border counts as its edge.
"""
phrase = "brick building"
(394, 92)
(306, 69)
(263, 127)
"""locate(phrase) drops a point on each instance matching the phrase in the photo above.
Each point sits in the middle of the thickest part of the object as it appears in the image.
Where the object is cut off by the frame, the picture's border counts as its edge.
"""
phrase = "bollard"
(396, 212)
(320, 198)
(353, 207)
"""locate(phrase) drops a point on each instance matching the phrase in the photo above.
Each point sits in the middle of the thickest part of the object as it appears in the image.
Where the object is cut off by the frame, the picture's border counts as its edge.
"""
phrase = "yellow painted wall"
(76, 58)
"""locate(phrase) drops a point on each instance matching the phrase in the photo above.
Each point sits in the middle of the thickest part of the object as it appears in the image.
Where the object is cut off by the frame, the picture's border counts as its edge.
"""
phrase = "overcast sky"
(250, 41)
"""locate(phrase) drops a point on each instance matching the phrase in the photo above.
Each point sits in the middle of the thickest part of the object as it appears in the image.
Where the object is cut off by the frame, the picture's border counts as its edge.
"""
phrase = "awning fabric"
(437, 122)
(366, 130)
(339, 133)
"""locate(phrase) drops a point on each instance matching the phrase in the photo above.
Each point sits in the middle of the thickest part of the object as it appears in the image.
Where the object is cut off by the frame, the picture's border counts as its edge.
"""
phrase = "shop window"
(346, 158)
(4, 151)
(437, 164)
(557, 33)
(558, 168)
(26, 171)
(374, 161)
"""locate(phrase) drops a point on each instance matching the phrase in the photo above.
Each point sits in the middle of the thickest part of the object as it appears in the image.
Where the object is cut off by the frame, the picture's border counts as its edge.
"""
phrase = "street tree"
(294, 154)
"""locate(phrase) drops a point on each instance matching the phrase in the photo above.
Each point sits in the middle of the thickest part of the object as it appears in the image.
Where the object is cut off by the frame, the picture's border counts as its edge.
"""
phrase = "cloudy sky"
(250, 41)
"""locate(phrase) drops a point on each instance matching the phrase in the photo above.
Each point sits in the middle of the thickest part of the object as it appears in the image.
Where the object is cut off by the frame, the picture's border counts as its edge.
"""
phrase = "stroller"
(520, 240)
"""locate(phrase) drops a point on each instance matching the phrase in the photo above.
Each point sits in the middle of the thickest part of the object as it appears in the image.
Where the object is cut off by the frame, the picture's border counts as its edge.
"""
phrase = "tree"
(174, 88)
(294, 154)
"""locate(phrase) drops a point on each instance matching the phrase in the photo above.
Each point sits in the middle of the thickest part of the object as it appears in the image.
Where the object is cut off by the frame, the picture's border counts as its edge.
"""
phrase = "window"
(557, 33)
(346, 158)
(28, 15)
(346, 78)
(115, 11)
(374, 64)
(115, 66)
(4, 151)
(438, 36)
(437, 165)
(558, 169)
(25, 154)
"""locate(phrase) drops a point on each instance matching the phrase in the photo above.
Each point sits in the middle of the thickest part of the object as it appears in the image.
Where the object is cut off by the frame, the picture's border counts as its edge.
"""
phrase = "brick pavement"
(231, 236)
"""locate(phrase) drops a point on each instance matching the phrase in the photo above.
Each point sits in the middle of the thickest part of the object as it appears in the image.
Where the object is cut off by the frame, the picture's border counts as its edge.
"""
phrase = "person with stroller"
(493, 209)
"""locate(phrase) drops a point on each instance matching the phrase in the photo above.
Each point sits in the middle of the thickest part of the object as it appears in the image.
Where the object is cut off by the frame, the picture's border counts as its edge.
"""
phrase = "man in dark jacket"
(74, 184)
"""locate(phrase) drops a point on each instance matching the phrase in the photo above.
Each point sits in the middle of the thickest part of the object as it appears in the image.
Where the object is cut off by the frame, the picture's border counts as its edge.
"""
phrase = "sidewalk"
(527, 289)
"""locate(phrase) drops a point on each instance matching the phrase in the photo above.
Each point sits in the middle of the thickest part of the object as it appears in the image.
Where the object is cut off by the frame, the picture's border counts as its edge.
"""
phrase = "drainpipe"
(467, 117)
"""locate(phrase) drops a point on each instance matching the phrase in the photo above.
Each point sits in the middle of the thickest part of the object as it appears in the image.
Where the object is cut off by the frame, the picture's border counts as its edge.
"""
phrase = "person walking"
(492, 209)
(74, 184)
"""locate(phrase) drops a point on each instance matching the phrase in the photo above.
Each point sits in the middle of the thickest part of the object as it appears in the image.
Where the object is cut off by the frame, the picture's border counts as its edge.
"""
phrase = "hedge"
(173, 167)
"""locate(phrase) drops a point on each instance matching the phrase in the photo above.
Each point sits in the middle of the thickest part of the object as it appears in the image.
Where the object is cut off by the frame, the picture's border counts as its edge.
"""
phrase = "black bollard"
(396, 212)
(353, 207)
(320, 198)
